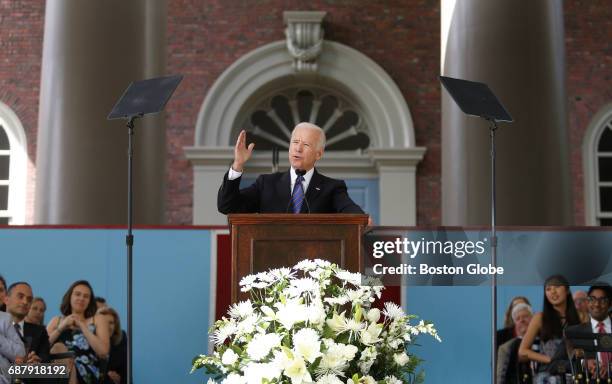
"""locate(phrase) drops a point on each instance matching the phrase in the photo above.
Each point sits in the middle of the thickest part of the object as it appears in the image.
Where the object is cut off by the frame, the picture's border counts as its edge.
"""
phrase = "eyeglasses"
(600, 300)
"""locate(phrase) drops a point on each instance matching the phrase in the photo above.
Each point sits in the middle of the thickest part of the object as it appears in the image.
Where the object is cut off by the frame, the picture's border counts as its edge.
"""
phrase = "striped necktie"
(604, 356)
(297, 198)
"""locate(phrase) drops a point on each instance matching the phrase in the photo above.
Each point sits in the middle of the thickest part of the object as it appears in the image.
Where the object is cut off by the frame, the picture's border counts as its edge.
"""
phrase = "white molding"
(338, 164)
(589, 164)
(359, 76)
(18, 164)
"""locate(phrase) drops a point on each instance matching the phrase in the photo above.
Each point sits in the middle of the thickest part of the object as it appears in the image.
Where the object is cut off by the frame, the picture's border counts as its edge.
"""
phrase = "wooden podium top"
(297, 219)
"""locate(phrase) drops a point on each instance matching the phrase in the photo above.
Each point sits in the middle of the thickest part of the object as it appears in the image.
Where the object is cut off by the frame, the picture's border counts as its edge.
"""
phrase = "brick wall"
(204, 38)
(21, 32)
(588, 43)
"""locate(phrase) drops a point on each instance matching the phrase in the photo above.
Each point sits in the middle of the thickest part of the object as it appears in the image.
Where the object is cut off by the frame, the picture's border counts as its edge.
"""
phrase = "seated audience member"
(509, 332)
(37, 311)
(80, 331)
(117, 360)
(11, 347)
(2, 293)
(599, 297)
(101, 302)
(580, 300)
(509, 370)
(559, 312)
(34, 336)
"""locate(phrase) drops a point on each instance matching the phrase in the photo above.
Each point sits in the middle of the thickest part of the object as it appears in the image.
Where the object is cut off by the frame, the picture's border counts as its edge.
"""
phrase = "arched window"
(13, 168)
(598, 169)
(272, 121)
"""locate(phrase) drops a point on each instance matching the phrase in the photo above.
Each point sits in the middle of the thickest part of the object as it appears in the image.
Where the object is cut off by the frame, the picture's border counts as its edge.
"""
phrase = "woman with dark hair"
(559, 312)
(80, 331)
(117, 359)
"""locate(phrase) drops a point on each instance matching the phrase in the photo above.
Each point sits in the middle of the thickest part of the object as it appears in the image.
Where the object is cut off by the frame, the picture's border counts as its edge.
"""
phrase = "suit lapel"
(314, 188)
(283, 189)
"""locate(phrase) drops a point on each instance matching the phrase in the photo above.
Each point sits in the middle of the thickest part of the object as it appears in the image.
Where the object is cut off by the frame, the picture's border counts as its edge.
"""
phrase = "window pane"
(605, 141)
(3, 197)
(605, 199)
(605, 222)
(4, 167)
(605, 169)
(4, 143)
(4, 220)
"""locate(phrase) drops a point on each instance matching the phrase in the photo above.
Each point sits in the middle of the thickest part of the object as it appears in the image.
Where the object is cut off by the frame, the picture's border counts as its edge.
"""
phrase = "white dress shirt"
(595, 328)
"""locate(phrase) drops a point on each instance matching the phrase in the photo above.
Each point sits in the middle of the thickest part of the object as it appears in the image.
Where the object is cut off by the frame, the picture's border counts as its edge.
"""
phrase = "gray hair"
(322, 138)
(520, 307)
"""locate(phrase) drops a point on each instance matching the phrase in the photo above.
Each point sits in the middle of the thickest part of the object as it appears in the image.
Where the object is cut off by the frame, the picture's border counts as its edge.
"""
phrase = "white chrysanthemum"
(291, 313)
(316, 313)
(229, 357)
(211, 381)
(393, 311)
(306, 265)
(370, 335)
(392, 380)
(234, 378)
(349, 277)
(329, 379)
(353, 327)
(282, 273)
(306, 344)
(261, 345)
(223, 332)
(297, 372)
(322, 263)
(401, 359)
(257, 372)
(248, 280)
(373, 315)
(247, 325)
(241, 310)
(305, 285)
(336, 300)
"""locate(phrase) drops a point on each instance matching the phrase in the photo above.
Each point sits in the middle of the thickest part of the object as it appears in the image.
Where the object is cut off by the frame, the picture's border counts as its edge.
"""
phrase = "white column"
(397, 184)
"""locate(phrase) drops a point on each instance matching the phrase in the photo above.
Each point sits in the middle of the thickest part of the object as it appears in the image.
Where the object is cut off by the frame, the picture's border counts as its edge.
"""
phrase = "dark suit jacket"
(38, 339)
(586, 329)
(271, 193)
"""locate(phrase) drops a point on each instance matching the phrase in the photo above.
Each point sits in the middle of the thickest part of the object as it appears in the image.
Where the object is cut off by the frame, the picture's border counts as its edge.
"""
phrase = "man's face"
(521, 322)
(581, 302)
(599, 304)
(303, 149)
(18, 301)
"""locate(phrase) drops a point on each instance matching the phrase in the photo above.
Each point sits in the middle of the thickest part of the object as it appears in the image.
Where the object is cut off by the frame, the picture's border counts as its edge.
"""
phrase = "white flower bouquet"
(313, 323)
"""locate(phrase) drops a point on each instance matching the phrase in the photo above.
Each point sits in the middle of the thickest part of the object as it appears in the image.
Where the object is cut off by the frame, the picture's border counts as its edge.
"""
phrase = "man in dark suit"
(598, 297)
(300, 190)
(34, 336)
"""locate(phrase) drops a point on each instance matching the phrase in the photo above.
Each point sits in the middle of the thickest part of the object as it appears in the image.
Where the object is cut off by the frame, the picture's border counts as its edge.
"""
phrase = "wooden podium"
(264, 241)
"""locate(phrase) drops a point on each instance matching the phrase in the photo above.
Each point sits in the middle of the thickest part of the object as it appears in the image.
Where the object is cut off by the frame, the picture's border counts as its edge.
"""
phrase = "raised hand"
(242, 153)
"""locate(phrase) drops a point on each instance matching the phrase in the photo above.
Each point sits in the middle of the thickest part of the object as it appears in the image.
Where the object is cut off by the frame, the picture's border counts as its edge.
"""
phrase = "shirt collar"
(21, 325)
(595, 324)
(307, 176)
